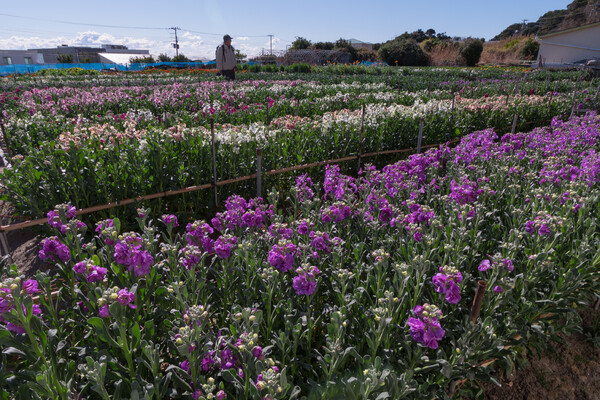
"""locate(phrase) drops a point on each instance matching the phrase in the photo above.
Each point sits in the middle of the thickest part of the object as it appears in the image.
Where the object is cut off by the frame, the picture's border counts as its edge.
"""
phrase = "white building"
(570, 46)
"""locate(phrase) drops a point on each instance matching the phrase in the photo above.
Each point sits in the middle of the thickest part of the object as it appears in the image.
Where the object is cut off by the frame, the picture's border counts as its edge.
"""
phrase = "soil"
(572, 371)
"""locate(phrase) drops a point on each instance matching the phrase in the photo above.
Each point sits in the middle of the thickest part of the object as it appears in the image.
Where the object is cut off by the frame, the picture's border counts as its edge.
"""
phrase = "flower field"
(101, 142)
(338, 285)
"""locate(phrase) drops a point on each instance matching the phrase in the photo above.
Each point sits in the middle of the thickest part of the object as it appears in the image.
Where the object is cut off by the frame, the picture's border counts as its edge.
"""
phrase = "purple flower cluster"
(170, 220)
(115, 295)
(53, 249)
(445, 282)
(198, 233)
(107, 231)
(224, 244)
(93, 273)
(131, 253)
(464, 193)
(337, 212)
(7, 304)
(304, 188)
(190, 256)
(320, 241)
(281, 255)
(58, 217)
(336, 185)
(426, 328)
(305, 282)
(280, 230)
(544, 224)
(243, 214)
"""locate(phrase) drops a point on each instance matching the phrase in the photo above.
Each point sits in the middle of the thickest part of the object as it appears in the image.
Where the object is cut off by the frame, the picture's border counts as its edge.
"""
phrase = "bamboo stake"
(258, 171)
(360, 140)
(214, 158)
(481, 286)
(421, 124)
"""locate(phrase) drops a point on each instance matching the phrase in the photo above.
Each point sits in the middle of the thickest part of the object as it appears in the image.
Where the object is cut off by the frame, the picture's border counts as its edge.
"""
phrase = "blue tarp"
(31, 68)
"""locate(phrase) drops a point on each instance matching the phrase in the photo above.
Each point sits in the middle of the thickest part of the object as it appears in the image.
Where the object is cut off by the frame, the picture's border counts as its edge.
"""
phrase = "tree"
(323, 46)
(469, 52)
(180, 58)
(142, 60)
(430, 32)
(65, 58)
(300, 43)
(403, 52)
(162, 57)
(239, 56)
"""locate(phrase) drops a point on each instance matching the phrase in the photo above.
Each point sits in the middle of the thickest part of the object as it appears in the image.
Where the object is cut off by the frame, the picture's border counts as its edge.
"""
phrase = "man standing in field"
(225, 56)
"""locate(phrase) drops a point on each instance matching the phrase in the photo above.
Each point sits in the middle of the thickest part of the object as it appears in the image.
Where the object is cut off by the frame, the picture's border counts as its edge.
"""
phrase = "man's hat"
(227, 37)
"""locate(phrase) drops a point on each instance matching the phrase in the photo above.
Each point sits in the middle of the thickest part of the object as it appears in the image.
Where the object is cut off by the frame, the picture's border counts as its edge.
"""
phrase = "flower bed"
(362, 288)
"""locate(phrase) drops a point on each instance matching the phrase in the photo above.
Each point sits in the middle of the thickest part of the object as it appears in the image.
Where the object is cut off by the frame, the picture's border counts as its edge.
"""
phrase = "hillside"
(579, 12)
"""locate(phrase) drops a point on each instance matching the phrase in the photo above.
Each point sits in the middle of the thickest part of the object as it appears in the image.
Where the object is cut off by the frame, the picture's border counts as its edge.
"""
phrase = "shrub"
(142, 60)
(300, 68)
(366, 55)
(403, 52)
(469, 52)
(530, 49)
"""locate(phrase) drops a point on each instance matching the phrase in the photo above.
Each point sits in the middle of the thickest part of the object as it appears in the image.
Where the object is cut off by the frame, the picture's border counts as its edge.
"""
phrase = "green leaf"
(135, 331)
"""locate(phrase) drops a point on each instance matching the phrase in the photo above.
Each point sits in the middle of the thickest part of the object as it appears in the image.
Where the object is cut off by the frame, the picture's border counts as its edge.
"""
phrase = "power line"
(81, 23)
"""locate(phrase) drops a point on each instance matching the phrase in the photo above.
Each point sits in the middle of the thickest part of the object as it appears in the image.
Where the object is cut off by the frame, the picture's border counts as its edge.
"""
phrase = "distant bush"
(403, 52)
(510, 44)
(299, 68)
(469, 52)
(366, 55)
(530, 49)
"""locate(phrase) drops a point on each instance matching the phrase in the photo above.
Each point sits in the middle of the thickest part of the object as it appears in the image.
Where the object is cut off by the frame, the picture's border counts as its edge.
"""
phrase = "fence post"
(420, 135)
(214, 159)
(481, 285)
(258, 172)
(5, 248)
(572, 104)
(362, 130)
(514, 124)
(5, 138)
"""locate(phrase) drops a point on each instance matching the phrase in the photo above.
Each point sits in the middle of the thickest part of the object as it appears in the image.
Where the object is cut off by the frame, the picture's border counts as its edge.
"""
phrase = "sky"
(145, 24)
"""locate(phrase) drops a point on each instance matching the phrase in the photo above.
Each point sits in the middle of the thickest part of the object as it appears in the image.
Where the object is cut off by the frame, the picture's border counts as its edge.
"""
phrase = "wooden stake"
(481, 286)
(214, 159)
(421, 124)
(362, 130)
(258, 172)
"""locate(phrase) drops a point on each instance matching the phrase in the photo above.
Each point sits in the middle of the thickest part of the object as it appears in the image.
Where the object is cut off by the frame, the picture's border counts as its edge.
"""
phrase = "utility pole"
(271, 50)
(176, 44)
(523, 25)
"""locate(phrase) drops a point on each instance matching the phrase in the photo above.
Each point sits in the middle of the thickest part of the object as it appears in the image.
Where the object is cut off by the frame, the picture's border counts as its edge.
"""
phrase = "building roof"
(579, 28)
(117, 58)
(356, 41)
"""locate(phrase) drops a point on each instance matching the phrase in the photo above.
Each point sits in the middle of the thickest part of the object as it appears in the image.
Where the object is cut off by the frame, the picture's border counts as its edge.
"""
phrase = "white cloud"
(192, 45)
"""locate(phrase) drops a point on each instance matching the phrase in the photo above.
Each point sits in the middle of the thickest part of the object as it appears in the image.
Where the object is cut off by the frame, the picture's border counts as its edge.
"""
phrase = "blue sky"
(36, 23)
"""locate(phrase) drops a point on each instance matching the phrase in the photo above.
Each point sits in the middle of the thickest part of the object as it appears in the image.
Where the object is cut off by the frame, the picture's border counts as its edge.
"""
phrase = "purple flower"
(185, 365)
(485, 265)
(304, 188)
(224, 244)
(498, 289)
(104, 312)
(221, 395)
(227, 359)
(281, 256)
(30, 286)
(544, 230)
(305, 282)
(170, 220)
(508, 264)
(96, 274)
(320, 241)
(208, 362)
(53, 249)
(131, 254)
(446, 281)
(125, 297)
(257, 352)
(426, 329)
